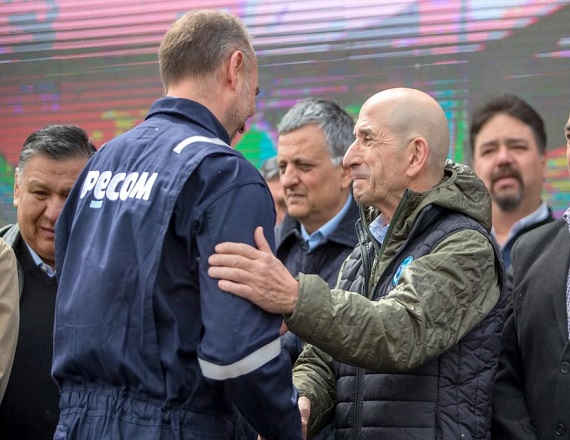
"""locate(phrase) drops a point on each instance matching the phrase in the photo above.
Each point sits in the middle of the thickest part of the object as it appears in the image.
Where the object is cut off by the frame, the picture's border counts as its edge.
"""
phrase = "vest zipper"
(364, 246)
(358, 405)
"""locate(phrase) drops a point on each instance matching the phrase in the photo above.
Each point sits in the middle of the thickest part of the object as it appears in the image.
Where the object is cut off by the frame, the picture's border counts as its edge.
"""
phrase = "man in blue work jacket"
(146, 345)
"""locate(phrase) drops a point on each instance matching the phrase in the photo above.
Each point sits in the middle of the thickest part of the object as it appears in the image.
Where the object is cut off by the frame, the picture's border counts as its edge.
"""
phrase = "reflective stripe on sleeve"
(193, 139)
(243, 366)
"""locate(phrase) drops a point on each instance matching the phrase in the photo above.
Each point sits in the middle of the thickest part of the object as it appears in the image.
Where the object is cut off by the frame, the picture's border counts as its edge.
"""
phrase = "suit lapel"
(559, 259)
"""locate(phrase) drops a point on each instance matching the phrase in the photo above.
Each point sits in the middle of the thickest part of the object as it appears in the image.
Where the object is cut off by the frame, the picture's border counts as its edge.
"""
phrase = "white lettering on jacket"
(123, 186)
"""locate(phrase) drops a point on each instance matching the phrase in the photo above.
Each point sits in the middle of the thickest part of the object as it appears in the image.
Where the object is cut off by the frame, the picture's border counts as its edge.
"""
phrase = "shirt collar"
(541, 213)
(378, 229)
(45, 268)
(321, 234)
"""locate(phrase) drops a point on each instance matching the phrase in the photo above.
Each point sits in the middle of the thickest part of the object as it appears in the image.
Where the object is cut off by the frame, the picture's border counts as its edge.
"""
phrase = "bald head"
(411, 113)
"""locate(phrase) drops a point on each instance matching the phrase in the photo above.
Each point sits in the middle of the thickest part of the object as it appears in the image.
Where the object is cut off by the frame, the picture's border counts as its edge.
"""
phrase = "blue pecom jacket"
(146, 345)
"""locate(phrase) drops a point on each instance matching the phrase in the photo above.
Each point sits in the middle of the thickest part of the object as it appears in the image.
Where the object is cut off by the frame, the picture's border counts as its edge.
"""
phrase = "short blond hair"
(199, 42)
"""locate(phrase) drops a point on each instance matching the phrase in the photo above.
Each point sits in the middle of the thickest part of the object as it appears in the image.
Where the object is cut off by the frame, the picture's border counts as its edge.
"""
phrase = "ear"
(416, 156)
(235, 68)
(543, 160)
(16, 188)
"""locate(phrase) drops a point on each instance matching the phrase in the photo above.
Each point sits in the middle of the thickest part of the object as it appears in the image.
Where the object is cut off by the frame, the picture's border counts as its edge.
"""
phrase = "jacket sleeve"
(439, 298)
(240, 343)
(511, 419)
(314, 377)
(9, 312)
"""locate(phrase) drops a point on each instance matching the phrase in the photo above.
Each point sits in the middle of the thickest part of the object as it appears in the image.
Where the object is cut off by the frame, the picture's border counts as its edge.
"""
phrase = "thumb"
(284, 329)
(260, 240)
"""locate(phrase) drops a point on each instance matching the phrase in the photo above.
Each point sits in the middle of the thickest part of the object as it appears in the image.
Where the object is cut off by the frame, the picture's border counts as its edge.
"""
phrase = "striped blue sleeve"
(241, 343)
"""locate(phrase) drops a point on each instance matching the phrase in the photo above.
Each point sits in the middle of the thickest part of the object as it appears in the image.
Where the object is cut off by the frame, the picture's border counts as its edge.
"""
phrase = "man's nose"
(289, 177)
(504, 155)
(349, 158)
(53, 208)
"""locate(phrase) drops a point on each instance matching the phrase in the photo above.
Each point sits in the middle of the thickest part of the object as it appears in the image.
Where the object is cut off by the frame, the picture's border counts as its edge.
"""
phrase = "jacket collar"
(343, 234)
(192, 111)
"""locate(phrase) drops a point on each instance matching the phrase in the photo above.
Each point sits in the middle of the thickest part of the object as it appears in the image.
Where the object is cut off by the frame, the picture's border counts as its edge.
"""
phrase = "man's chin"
(235, 138)
(296, 211)
(46, 251)
(508, 203)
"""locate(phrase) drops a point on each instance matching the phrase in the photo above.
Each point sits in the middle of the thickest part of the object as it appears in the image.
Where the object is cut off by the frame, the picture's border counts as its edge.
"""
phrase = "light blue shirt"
(378, 229)
(46, 268)
(325, 230)
(541, 213)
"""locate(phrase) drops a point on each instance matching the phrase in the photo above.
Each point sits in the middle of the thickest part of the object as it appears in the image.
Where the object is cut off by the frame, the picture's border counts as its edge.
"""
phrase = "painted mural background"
(94, 64)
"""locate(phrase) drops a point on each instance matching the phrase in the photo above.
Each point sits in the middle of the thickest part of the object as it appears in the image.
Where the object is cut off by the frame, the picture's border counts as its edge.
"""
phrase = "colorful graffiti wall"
(94, 64)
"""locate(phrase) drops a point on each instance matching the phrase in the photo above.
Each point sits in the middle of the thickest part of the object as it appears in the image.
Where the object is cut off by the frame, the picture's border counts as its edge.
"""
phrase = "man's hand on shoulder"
(255, 274)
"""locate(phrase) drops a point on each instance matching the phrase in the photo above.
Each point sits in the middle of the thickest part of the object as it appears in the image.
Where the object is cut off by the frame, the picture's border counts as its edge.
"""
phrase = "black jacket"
(532, 389)
(325, 259)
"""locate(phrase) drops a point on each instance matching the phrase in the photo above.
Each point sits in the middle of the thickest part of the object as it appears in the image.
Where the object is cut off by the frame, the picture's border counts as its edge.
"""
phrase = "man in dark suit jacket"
(532, 389)
(318, 231)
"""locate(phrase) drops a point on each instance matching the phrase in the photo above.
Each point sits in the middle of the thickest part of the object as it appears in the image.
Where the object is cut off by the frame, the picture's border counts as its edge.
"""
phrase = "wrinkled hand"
(305, 410)
(254, 274)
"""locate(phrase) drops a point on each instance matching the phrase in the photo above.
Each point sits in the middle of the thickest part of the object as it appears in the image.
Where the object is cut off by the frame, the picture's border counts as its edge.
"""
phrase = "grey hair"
(336, 124)
(199, 42)
(270, 168)
(57, 142)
